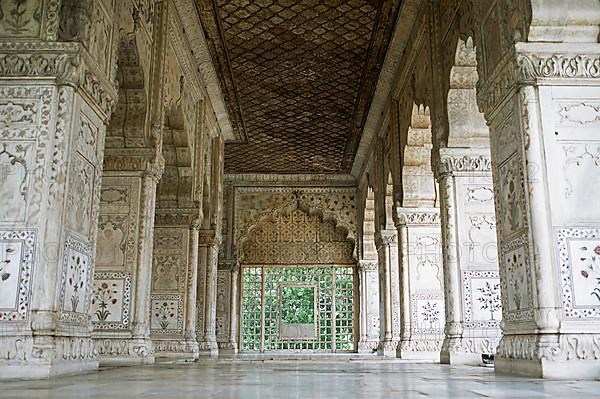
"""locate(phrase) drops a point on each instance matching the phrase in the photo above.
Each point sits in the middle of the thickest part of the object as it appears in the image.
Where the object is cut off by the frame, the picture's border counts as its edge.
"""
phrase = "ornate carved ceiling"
(298, 78)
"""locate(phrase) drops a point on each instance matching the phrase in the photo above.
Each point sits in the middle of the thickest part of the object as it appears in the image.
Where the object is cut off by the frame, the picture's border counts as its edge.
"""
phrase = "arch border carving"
(332, 205)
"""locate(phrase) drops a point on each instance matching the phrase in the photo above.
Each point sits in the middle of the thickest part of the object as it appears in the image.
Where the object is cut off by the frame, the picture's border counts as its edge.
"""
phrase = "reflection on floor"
(281, 379)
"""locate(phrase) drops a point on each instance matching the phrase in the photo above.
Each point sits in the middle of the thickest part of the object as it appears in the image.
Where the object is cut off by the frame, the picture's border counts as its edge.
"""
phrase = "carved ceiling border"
(389, 78)
(190, 22)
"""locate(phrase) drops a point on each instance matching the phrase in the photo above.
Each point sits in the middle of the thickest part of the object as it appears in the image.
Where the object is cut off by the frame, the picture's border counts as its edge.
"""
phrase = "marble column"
(192, 288)
(369, 305)
(207, 292)
(55, 102)
(545, 156)
(421, 283)
(389, 292)
(230, 309)
(471, 277)
(174, 282)
(122, 280)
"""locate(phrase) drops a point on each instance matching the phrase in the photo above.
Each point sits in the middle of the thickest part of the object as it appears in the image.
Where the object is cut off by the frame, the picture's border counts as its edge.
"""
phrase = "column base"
(467, 351)
(208, 348)
(368, 346)
(227, 348)
(555, 356)
(125, 351)
(176, 349)
(420, 350)
(45, 371)
(387, 348)
(42, 357)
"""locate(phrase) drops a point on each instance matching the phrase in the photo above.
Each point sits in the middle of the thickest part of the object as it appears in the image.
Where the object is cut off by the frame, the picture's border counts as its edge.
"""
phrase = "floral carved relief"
(21, 18)
(80, 200)
(512, 203)
(16, 164)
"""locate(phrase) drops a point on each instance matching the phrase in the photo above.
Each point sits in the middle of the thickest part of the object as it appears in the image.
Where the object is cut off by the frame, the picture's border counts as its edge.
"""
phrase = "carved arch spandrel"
(297, 235)
(340, 210)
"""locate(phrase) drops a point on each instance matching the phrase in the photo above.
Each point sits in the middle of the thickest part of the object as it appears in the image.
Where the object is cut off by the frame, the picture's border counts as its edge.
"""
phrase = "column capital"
(208, 238)
(386, 238)
(155, 168)
(178, 217)
(416, 216)
(461, 160)
(368, 265)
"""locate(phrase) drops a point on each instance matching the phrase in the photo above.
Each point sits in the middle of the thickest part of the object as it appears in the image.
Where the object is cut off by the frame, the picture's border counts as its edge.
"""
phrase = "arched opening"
(472, 284)
(297, 285)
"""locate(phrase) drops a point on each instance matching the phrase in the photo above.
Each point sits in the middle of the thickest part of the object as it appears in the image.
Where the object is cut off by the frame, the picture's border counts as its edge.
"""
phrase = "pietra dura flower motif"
(592, 269)
(104, 295)
(489, 297)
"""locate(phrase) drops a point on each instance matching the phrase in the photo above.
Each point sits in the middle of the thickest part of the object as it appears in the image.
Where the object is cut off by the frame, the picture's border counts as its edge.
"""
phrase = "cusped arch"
(466, 125)
(342, 231)
(127, 127)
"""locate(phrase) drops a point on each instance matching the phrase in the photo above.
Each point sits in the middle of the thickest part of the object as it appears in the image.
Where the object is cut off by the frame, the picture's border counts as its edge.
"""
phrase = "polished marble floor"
(283, 379)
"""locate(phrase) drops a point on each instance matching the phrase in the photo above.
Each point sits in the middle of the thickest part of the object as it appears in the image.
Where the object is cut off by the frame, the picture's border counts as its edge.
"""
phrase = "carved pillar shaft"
(209, 254)
(141, 313)
(192, 289)
(234, 308)
(369, 309)
(387, 248)
(422, 283)
(450, 254)
(471, 285)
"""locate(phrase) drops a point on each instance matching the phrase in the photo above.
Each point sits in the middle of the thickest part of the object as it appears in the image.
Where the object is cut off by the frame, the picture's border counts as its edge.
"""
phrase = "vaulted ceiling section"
(298, 78)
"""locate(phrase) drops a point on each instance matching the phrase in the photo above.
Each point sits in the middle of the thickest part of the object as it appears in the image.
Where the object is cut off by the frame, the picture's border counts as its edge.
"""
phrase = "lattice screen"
(298, 308)
(297, 286)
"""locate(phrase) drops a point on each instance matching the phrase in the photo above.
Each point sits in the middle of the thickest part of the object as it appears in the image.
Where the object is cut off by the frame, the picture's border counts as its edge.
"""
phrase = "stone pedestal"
(368, 271)
(472, 284)
(421, 283)
(545, 153)
(389, 292)
(207, 293)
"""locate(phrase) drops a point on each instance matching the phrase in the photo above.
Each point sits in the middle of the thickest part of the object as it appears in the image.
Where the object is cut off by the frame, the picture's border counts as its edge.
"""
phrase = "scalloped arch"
(325, 217)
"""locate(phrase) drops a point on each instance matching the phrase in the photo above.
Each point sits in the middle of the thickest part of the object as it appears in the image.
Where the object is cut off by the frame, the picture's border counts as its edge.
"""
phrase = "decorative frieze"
(416, 216)
(558, 66)
(465, 163)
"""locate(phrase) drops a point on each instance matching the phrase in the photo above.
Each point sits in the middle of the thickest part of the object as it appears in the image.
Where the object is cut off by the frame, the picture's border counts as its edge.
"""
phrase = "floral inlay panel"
(166, 315)
(579, 265)
(111, 300)
(76, 280)
(17, 251)
(482, 299)
(427, 313)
